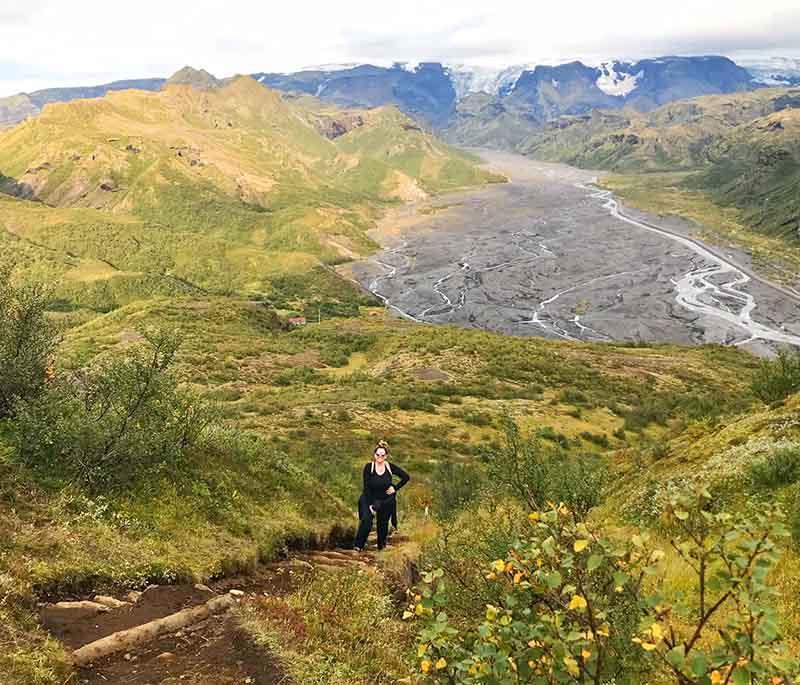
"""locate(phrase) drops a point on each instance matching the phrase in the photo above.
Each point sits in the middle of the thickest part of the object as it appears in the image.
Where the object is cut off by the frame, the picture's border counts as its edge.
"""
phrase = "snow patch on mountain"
(410, 67)
(491, 80)
(771, 70)
(613, 82)
(332, 67)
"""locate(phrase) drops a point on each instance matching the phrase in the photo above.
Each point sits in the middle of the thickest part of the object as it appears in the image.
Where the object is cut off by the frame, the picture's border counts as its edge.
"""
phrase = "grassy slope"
(320, 395)
(720, 457)
(186, 191)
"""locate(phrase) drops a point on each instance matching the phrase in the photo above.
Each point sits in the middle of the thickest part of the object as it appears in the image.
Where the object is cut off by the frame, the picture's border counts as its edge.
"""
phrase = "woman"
(378, 497)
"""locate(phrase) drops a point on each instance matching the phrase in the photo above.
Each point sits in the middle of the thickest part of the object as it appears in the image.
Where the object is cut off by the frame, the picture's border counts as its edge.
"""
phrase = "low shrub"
(599, 439)
(110, 424)
(549, 433)
(536, 473)
(455, 486)
(571, 396)
(27, 341)
(775, 380)
(779, 469)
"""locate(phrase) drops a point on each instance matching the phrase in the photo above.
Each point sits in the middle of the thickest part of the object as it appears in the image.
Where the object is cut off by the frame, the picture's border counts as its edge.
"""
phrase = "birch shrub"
(579, 606)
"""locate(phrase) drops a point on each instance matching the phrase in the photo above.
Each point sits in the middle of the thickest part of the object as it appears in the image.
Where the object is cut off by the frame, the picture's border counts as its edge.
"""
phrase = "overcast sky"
(47, 43)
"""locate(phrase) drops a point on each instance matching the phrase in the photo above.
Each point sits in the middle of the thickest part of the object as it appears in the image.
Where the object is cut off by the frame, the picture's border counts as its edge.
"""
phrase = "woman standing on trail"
(378, 497)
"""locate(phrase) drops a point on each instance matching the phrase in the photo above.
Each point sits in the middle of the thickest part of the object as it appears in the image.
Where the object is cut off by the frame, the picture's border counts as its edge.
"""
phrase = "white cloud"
(88, 41)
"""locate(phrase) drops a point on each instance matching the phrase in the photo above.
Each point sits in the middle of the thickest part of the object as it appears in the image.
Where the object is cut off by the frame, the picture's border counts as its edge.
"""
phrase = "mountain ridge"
(431, 92)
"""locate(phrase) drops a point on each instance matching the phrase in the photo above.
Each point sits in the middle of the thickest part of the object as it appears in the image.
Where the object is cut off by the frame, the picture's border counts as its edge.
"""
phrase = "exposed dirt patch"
(431, 373)
(214, 652)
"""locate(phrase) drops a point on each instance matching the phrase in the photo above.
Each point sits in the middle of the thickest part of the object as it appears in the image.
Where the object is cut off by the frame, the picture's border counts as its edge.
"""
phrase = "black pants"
(384, 515)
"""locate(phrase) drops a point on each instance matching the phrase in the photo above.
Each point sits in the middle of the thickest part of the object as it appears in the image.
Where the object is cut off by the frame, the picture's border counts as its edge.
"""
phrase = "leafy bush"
(565, 611)
(652, 409)
(536, 473)
(478, 418)
(599, 439)
(572, 602)
(455, 486)
(572, 396)
(418, 402)
(548, 433)
(27, 341)
(775, 380)
(108, 425)
(779, 469)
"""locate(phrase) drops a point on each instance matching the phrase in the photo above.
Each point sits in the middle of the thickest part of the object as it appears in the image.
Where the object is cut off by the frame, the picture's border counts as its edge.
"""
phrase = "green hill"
(191, 190)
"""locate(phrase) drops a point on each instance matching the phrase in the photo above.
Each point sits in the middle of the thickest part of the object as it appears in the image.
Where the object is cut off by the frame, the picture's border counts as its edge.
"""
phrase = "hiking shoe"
(358, 549)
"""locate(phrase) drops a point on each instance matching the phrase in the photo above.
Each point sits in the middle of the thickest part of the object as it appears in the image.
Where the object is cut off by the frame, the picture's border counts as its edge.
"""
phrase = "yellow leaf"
(533, 516)
(517, 578)
(648, 646)
(421, 650)
(580, 545)
(498, 565)
(603, 630)
(407, 614)
(656, 632)
(442, 663)
(425, 666)
(572, 666)
(577, 602)
(586, 654)
(717, 677)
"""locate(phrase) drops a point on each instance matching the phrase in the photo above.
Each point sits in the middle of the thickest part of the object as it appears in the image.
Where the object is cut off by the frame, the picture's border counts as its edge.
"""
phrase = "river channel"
(550, 254)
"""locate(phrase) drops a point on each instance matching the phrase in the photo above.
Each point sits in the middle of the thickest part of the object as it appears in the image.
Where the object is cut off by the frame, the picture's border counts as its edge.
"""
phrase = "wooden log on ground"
(127, 639)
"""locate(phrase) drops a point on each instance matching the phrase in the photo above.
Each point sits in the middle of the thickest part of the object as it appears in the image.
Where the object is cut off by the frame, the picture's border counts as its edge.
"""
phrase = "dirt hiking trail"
(211, 651)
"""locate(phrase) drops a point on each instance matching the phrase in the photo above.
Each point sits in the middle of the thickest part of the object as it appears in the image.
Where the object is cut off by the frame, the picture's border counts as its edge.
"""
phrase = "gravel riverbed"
(548, 254)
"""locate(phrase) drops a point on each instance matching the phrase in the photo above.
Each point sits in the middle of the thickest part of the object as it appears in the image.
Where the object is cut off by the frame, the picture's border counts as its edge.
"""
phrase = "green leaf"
(700, 665)
(741, 677)
(675, 657)
(621, 578)
(594, 561)
(553, 580)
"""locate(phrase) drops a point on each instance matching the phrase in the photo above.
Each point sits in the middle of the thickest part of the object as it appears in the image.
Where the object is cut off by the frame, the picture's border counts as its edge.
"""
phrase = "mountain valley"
(578, 332)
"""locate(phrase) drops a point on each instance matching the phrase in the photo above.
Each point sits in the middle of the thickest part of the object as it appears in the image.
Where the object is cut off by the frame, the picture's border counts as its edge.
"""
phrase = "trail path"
(214, 651)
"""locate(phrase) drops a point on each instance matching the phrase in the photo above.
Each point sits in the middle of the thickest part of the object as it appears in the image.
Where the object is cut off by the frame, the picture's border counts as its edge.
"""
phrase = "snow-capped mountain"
(443, 96)
(773, 71)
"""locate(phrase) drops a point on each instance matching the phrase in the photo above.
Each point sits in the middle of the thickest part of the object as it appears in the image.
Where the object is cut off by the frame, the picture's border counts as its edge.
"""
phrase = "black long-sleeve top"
(375, 486)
